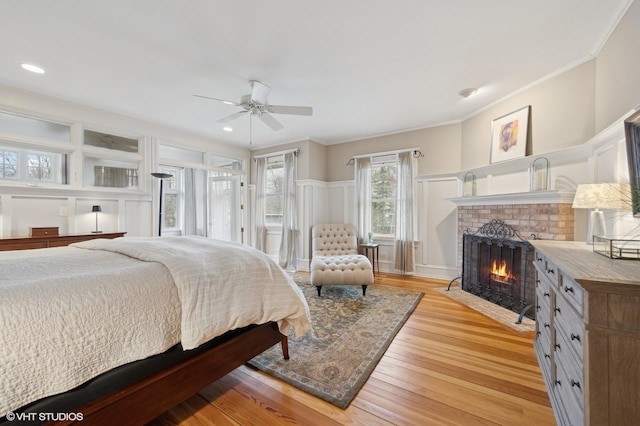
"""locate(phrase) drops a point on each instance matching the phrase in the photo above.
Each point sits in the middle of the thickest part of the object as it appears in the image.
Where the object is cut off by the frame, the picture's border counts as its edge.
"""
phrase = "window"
(8, 164)
(33, 128)
(383, 197)
(107, 141)
(225, 205)
(225, 162)
(110, 173)
(117, 168)
(29, 165)
(275, 182)
(173, 193)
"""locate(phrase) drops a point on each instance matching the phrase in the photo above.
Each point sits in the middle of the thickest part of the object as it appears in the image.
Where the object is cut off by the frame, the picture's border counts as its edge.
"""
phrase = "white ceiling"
(367, 67)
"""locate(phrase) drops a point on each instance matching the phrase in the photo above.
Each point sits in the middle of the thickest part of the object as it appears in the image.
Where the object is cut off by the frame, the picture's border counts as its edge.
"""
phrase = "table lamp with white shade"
(598, 197)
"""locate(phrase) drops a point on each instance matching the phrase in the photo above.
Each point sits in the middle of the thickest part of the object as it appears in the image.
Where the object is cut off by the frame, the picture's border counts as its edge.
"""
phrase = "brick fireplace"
(548, 221)
(546, 214)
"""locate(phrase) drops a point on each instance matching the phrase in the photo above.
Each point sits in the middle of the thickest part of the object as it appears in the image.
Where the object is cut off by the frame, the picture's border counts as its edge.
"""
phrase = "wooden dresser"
(45, 241)
(588, 333)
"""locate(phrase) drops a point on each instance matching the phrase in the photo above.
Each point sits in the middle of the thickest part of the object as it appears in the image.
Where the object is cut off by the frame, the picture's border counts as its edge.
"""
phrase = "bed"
(73, 316)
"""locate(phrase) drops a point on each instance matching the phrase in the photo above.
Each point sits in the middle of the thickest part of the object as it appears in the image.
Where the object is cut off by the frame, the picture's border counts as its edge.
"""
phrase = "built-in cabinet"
(588, 333)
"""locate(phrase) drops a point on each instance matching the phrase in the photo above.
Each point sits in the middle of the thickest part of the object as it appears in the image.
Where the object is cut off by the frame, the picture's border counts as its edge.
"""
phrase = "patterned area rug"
(350, 335)
(498, 313)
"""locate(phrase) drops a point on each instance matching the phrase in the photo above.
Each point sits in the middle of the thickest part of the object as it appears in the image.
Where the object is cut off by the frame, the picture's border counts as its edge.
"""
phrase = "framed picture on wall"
(510, 135)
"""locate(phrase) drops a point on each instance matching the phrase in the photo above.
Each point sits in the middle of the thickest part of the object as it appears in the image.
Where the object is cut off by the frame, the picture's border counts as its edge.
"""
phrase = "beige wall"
(562, 115)
(567, 110)
(618, 71)
(440, 146)
(311, 160)
(316, 165)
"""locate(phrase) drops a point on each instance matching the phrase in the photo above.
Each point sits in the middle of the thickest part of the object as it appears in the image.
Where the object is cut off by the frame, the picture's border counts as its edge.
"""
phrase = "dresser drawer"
(566, 390)
(539, 260)
(542, 346)
(547, 267)
(570, 325)
(543, 285)
(543, 319)
(572, 291)
(564, 357)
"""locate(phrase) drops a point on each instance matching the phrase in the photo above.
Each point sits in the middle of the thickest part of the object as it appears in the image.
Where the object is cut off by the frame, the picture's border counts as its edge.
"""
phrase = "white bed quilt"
(187, 288)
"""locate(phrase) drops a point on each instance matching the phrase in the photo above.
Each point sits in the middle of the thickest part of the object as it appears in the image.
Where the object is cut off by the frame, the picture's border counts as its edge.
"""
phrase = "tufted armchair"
(335, 259)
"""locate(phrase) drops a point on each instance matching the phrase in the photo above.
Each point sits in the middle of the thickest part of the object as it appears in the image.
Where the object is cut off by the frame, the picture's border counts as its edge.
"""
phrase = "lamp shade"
(96, 209)
(612, 196)
(162, 175)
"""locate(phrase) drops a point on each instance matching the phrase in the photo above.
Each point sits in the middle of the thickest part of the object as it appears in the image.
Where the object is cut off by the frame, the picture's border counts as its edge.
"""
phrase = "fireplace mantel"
(532, 197)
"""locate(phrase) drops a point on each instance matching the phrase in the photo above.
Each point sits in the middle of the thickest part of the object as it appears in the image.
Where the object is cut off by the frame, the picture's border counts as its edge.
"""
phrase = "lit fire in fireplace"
(500, 272)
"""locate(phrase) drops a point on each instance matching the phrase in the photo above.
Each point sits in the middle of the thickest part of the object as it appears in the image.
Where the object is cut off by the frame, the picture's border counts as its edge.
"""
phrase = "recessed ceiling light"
(227, 129)
(465, 93)
(33, 68)
(228, 102)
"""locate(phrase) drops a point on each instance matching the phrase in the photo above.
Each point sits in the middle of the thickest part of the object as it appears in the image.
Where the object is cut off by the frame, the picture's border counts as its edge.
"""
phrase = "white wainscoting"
(72, 214)
(436, 222)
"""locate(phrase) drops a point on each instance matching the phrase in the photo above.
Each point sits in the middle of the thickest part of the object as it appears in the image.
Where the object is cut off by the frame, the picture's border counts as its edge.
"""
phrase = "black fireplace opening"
(497, 265)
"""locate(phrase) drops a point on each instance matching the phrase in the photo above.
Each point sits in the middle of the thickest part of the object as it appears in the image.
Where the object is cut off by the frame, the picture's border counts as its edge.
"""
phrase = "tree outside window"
(8, 164)
(29, 165)
(172, 198)
(39, 166)
(383, 198)
(273, 200)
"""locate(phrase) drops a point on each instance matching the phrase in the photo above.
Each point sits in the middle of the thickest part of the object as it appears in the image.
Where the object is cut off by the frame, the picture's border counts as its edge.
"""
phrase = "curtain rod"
(415, 151)
(295, 151)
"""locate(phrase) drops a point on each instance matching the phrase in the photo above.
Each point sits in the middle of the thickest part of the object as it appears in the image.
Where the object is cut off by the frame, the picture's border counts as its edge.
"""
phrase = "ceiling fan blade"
(293, 110)
(270, 121)
(231, 117)
(259, 92)
(216, 99)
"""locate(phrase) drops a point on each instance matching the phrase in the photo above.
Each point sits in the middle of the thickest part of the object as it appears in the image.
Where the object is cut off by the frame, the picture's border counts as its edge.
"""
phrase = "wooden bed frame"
(148, 398)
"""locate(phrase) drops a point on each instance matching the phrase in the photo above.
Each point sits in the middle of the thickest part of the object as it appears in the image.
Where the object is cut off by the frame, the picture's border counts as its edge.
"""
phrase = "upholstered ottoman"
(335, 259)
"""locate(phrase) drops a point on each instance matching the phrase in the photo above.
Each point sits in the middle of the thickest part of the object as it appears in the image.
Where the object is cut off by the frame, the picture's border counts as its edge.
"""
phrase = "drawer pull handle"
(557, 310)
(546, 294)
(575, 384)
(546, 325)
(575, 337)
(537, 282)
(558, 382)
(538, 333)
(539, 259)
(550, 271)
(547, 356)
(557, 345)
(538, 308)
(568, 289)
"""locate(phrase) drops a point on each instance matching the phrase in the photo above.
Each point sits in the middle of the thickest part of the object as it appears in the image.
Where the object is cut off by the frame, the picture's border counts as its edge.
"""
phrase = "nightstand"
(373, 247)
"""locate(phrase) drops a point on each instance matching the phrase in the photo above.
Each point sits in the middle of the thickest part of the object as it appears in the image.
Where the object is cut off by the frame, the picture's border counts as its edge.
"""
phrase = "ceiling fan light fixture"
(255, 104)
(465, 93)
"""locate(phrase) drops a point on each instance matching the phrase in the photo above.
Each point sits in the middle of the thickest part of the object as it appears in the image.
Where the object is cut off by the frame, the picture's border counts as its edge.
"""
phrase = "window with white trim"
(273, 196)
(173, 198)
(383, 196)
(32, 165)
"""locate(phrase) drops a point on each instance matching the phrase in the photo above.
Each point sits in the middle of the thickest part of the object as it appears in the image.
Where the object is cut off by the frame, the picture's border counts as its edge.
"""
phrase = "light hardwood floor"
(449, 365)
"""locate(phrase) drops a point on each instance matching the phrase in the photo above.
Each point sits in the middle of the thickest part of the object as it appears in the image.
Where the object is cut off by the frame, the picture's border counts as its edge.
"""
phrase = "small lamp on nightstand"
(96, 210)
(597, 196)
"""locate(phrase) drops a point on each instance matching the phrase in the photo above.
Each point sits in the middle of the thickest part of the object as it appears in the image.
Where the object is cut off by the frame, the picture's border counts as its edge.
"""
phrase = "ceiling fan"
(256, 104)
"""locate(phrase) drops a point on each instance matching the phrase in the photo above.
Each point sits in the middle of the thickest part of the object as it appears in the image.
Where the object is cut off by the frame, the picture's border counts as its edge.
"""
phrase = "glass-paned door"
(226, 206)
